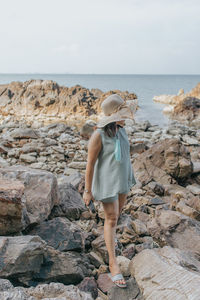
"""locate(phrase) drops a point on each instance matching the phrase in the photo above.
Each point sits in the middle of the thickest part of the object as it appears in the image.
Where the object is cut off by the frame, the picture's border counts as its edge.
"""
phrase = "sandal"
(116, 278)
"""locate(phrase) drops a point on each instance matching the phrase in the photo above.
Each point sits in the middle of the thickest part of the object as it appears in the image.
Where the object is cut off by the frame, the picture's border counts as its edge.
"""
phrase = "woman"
(109, 175)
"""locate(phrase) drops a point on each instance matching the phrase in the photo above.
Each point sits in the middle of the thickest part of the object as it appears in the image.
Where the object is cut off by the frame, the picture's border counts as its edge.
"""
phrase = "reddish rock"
(165, 162)
(104, 282)
(89, 285)
(11, 192)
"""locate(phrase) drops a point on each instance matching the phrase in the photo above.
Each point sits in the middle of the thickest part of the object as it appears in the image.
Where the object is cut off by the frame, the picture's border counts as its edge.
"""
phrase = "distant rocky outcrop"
(183, 107)
(44, 101)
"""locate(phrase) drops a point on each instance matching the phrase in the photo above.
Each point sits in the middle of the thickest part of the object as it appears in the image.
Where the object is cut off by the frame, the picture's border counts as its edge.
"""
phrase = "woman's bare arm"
(94, 147)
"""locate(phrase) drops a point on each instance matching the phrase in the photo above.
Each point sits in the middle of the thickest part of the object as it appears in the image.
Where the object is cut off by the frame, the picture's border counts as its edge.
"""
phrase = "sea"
(144, 86)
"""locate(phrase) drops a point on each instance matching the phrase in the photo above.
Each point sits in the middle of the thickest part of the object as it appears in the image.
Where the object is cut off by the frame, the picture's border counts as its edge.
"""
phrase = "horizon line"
(116, 74)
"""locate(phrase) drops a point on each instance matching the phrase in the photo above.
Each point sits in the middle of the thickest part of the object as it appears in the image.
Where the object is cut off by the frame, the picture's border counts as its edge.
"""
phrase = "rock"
(138, 148)
(5, 285)
(164, 162)
(81, 165)
(21, 257)
(27, 158)
(157, 188)
(156, 201)
(51, 291)
(180, 92)
(190, 140)
(139, 227)
(194, 189)
(71, 204)
(106, 285)
(123, 263)
(40, 194)
(74, 178)
(156, 269)
(99, 246)
(21, 133)
(168, 109)
(196, 167)
(11, 193)
(129, 252)
(104, 282)
(131, 292)
(166, 99)
(87, 129)
(187, 210)
(61, 234)
(3, 163)
(58, 291)
(89, 285)
(95, 259)
(176, 230)
(45, 101)
(189, 107)
(16, 293)
(65, 267)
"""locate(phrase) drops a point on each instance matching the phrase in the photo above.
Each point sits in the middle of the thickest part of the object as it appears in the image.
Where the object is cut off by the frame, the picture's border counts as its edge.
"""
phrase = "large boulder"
(71, 204)
(166, 273)
(40, 194)
(42, 291)
(166, 162)
(187, 109)
(27, 260)
(21, 257)
(175, 229)
(65, 267)
(61, 234)
(11, 193)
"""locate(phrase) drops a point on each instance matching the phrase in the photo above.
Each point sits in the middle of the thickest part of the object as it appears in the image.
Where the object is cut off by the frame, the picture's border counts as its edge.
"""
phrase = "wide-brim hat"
(116, 109)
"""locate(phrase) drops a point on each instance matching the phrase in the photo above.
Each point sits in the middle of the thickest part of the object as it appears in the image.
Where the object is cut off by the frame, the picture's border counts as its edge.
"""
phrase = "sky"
(100, 36)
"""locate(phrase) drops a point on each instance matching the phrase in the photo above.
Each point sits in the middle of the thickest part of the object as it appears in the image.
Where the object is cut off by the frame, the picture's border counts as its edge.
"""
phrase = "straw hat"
(116, 109)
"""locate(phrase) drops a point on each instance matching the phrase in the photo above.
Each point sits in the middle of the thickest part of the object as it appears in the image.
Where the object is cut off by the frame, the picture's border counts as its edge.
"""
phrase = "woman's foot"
(114, 269)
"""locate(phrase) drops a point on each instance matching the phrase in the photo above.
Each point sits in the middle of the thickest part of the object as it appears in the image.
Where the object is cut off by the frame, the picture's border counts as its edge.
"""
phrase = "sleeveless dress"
(112, 177)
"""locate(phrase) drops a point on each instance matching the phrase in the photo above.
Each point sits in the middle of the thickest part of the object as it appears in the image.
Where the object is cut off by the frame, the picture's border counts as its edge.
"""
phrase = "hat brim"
(122, 114)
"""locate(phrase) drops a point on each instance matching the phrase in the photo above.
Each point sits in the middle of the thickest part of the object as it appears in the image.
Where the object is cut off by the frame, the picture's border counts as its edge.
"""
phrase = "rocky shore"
(51, 247)
(183, 107)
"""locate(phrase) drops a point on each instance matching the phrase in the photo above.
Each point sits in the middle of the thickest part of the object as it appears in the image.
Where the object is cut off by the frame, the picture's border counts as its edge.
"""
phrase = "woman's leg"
(122, 201)
(111, 212)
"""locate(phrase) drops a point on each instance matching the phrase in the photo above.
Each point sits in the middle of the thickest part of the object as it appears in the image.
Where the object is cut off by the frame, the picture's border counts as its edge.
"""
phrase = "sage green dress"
(112, 177)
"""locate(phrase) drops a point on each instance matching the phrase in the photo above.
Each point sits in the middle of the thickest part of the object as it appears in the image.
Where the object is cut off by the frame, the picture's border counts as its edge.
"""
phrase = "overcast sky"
(100, 36)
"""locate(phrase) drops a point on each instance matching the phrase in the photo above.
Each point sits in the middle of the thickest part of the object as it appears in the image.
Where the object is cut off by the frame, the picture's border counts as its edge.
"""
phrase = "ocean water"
(144, 86)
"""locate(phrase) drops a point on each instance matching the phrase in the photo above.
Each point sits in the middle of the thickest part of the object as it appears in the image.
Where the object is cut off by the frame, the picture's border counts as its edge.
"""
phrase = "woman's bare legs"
(111, 212)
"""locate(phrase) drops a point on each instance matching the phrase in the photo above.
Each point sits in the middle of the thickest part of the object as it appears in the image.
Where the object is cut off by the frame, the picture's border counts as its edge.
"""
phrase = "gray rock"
(71, 203)
(131, 292)
(57, 291)
(27, 158)
(166, 273)
(24, 133)
(3, 163)
(21, 257)
(61, 234)
(5, 285)
(65, 267)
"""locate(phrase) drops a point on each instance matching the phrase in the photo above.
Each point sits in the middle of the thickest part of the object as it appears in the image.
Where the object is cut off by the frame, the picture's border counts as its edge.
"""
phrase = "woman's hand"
(87, 197)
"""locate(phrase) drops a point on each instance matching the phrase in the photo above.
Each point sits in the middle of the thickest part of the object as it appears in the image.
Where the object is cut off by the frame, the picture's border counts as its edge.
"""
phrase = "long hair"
(110, 129)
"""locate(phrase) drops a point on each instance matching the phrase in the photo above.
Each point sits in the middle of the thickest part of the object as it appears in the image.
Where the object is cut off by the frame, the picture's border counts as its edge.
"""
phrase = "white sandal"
(116, 278)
